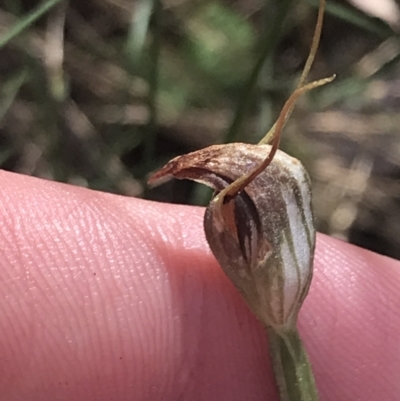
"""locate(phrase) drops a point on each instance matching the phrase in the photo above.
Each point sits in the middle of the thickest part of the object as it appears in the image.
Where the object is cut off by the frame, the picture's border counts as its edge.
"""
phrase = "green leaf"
(26, 21)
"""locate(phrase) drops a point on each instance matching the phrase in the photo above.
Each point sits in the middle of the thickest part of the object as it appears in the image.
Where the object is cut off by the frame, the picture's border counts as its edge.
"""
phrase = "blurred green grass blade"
(26, 21)
(155, 48)
(356, 18)
(269, 42)
(386, 68)
(146, 11)
(9, 91)
(215, 36)
(138, 29)
(348, 89)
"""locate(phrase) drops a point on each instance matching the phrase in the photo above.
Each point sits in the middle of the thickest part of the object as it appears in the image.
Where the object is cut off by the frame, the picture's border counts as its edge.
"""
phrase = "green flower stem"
(291, 366)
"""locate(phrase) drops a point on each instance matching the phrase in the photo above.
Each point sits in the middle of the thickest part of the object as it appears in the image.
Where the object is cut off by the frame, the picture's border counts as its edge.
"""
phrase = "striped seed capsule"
(263, 235)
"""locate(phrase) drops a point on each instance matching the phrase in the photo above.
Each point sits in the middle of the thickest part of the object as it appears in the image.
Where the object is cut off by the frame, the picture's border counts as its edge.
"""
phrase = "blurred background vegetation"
(101, 93)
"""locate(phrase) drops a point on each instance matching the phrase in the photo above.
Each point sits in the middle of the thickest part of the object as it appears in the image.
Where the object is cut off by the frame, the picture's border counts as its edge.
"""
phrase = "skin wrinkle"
(71, 294)
(150, 292)
(145, 313)
(140, 308)
(187, 240)
(39, 288)
(376, 336)
(185, 335)
(161, 281)
(102, 324)
(120, 260)
(31, 288)
(11, 287)
(74, 270)
(103, 252)
(162, 319)
(9, 378)
(193, 321)
(190, 312)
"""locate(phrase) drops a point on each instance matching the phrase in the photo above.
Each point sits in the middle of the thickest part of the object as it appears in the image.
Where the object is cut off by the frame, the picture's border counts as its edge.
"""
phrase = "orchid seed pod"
(263, 237)
(259, 225)
(260, 228)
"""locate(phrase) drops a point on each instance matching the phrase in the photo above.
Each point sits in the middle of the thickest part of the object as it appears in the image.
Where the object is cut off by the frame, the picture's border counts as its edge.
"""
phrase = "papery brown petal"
(211, 166)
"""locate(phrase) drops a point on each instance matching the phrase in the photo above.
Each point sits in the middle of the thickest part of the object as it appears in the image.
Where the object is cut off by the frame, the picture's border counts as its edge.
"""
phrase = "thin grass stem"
(155, 47)
(269, 42)
(26, 21)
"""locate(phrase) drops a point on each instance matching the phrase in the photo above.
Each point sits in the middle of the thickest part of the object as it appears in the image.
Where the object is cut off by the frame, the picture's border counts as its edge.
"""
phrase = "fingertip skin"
(113, 298)
(351, 324)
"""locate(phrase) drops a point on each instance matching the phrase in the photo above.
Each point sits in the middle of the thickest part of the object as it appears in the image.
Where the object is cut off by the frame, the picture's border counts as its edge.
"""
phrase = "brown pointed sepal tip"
(204, 165)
